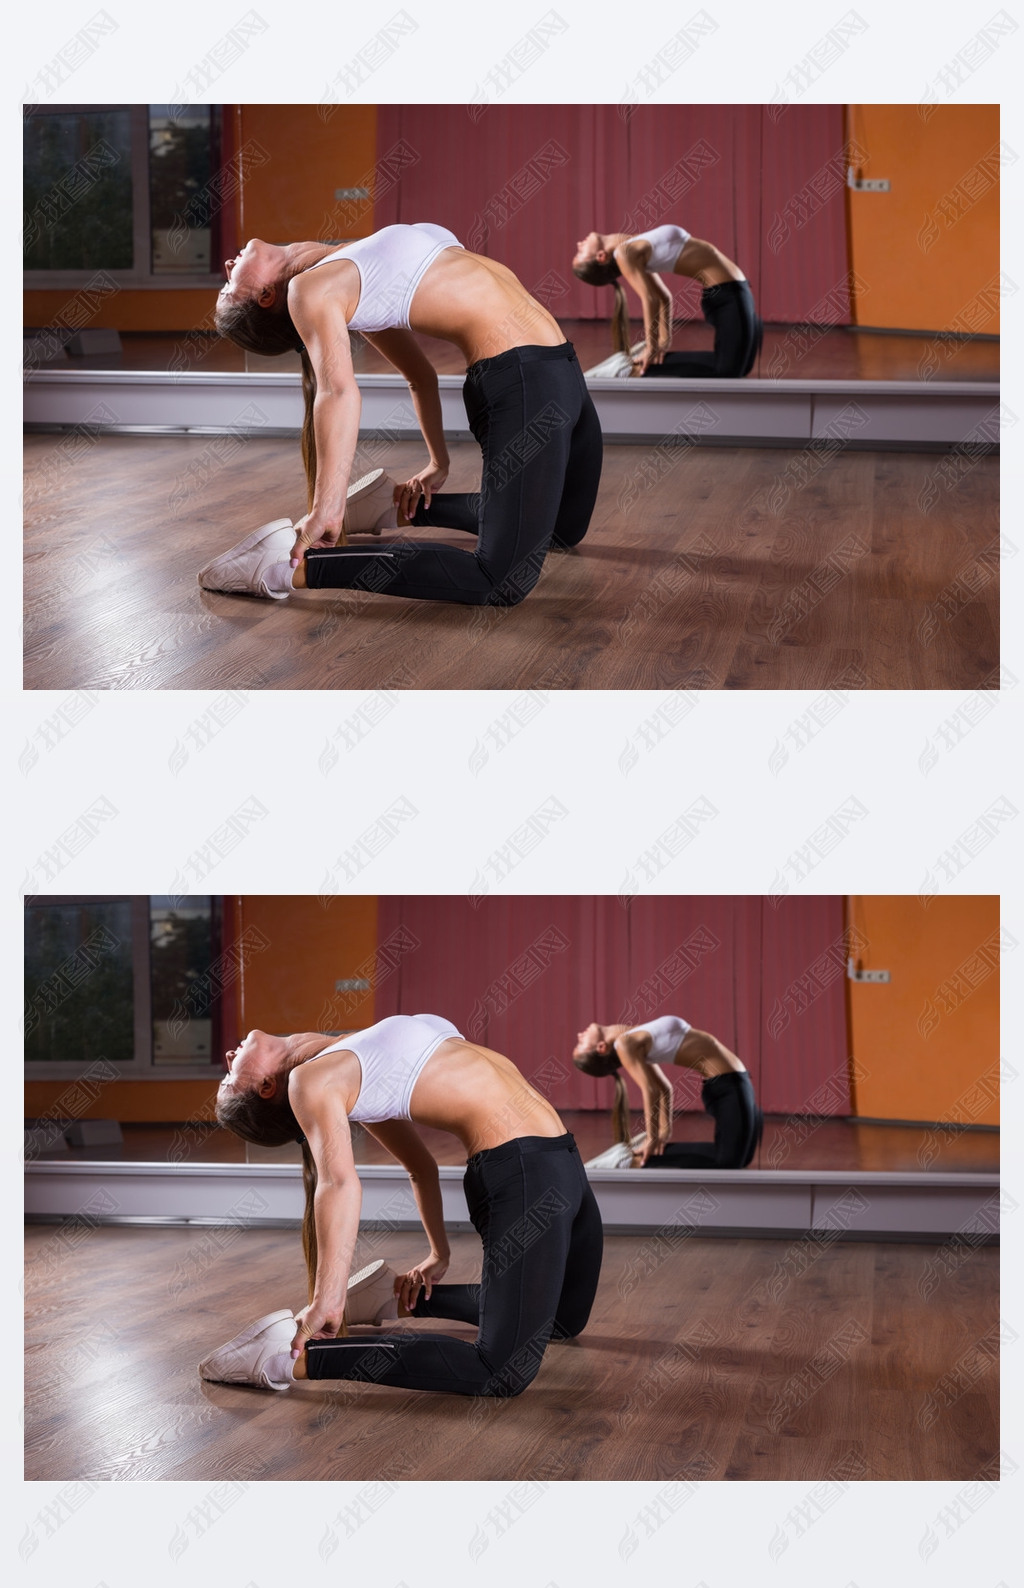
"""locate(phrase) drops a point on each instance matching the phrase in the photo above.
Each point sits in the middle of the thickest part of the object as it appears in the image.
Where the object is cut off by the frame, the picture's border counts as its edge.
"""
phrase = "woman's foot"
(258, 565)
(371, 1294)
(260, 1355)
(371, 504)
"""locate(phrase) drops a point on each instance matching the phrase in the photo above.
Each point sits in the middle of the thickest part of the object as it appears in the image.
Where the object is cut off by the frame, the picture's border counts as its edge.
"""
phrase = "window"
(129, 190)
(133, 981)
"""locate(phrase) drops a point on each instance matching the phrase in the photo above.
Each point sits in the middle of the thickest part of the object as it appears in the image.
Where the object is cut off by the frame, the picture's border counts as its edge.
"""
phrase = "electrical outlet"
(871, 975)
(342, 193)
(873, 184)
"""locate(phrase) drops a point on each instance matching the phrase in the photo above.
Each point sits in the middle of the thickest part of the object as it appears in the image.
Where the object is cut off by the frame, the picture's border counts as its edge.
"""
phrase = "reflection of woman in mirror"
(525, 396)
(726, 1093)
(526, 1188)
(727, 303)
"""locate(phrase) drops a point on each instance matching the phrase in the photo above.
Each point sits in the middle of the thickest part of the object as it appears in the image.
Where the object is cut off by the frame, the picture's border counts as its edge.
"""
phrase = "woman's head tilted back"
(602, 1061)
(597, 272)
(604, 272)
(257, 327)
(267, 1122)
(596, 1062)
(252, 1099)
(252, 312)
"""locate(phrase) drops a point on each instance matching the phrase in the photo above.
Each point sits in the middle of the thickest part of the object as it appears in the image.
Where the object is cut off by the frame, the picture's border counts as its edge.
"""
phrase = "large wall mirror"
(867, 1024)
(868, 233)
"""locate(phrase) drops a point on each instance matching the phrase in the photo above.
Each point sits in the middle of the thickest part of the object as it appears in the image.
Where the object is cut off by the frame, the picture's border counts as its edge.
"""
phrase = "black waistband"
(520, 1146)
(521, 355)
(718, 1085)
(725, 289)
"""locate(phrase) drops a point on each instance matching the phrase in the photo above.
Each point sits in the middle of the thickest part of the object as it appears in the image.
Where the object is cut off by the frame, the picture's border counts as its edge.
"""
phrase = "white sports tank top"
(667, 243)
(391, 264)
(665, 1033)
(391, 1055)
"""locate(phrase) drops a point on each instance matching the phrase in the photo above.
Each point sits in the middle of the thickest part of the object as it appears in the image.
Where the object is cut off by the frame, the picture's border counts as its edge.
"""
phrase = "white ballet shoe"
(368, 498)
(246, 1358)
(371, 1294)
(618, 1157)
(618, 366)
(243, 569)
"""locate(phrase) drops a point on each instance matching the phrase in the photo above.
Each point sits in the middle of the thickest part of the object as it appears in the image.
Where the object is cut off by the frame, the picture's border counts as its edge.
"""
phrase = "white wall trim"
(749, 1200)
(910, 413)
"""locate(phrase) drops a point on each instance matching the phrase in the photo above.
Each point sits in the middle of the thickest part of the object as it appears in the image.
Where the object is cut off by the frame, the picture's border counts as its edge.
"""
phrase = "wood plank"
(704, 1357)
(692, 576)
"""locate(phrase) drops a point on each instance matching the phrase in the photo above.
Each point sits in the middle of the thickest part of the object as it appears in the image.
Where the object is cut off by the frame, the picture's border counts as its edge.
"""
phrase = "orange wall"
(138, 1102)
(927, 1042)
(290, 986)
(289, 195)
(928, 250)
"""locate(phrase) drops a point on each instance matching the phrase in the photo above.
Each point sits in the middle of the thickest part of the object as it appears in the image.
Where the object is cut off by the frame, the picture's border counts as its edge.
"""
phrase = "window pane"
(180, 166)
(78, 982)
(78, 191)
(183, 986)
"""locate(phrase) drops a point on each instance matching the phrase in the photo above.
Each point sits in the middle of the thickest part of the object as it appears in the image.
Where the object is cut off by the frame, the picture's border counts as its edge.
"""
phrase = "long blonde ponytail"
(605, 273)
(620, 320)
(620, 1112)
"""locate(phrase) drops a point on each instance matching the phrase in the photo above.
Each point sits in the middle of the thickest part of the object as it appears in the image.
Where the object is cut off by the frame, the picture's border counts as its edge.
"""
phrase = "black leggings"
(729, 308)
(533, 416)
(532, 1205)
(729, 1099)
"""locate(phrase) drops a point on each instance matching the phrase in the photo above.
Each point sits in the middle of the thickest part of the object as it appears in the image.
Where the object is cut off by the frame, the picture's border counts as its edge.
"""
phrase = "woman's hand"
(422, 485)
(312, 531)
(316, 1322)
(653, 353)
(654, 1144)
(423, 1277)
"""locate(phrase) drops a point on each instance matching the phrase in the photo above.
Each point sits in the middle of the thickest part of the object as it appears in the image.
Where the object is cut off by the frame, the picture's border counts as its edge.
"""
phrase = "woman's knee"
(511, 587)
(513, 1376)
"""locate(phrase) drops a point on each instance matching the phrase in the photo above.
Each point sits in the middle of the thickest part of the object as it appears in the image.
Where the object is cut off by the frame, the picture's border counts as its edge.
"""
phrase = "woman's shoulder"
(635, 249)
(329, 285)
(316, 1077)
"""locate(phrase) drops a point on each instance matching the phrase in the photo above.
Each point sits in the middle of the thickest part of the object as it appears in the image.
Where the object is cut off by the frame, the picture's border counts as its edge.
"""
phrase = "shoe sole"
(360, 1281)
(363, 1280)
(247, 1334)
(363, 486)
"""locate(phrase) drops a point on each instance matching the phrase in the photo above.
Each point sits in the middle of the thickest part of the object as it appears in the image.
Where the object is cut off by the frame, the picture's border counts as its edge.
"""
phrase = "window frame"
(142, 1066)
(70, 280)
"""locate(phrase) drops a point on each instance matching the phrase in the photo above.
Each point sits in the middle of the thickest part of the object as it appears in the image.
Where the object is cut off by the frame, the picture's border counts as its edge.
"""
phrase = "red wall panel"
(524, 974)
(522, 183)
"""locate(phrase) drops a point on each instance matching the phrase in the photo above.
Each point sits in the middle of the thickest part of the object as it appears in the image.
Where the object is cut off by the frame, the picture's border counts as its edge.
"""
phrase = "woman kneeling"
(727, 1092)
(526, 1189)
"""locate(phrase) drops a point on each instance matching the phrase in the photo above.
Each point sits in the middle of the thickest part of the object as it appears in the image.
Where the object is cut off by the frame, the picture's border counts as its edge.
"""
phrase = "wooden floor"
(787, 1144)
(727, 568)
(704, 1358)
(788, 353)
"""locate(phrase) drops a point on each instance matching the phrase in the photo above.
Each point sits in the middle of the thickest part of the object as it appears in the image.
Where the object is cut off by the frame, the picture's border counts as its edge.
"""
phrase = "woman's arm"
(401, 349)
(321, 1112)
(402, 1140)
(655, 1088)
(655, 300)
(320, 318)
